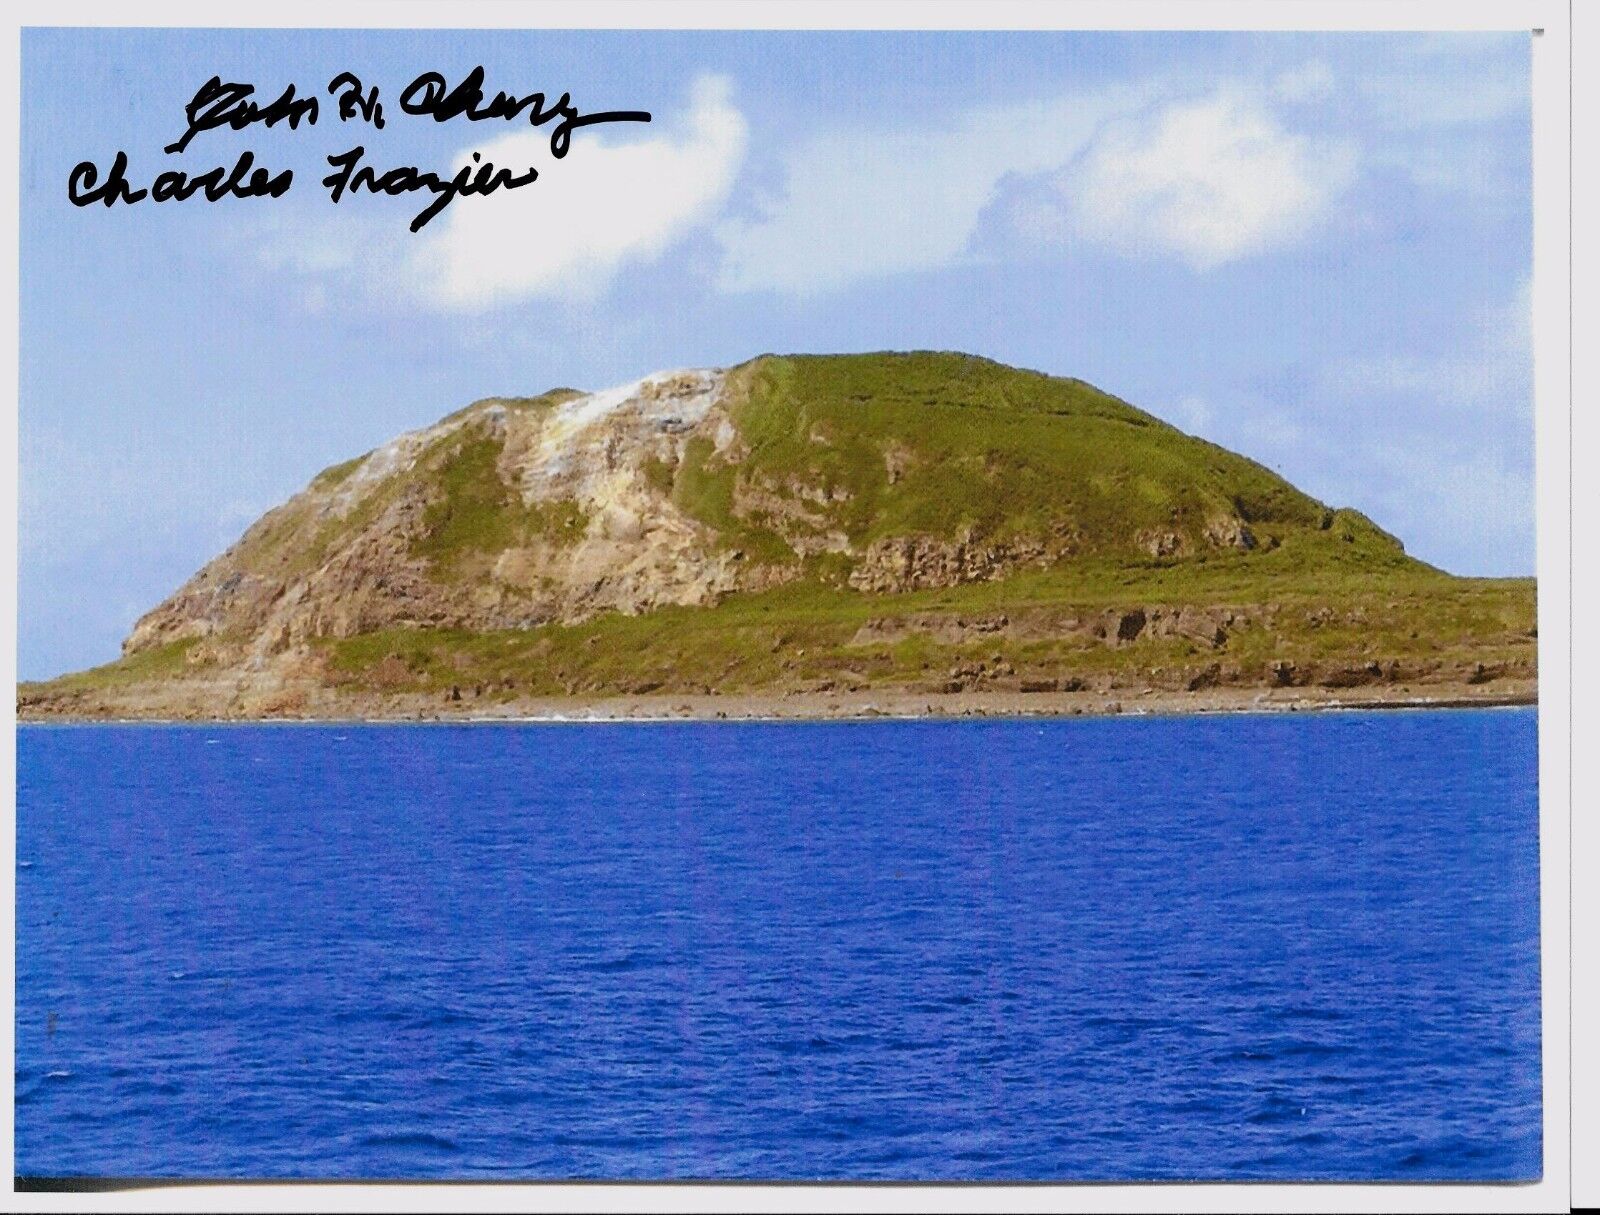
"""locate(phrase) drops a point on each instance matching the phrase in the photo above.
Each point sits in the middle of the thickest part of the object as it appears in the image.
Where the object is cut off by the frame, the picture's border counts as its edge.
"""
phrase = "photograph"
(780, 606)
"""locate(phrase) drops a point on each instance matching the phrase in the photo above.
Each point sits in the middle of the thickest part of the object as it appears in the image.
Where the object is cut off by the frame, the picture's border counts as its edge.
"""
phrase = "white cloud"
(1437, 446)
(1465, 83)
(1211, 180)
(1487, 370)
(1163, 166)
(1311, 81)
(1470, 512)
(604, 206)
(1443, 110)
(865, 202)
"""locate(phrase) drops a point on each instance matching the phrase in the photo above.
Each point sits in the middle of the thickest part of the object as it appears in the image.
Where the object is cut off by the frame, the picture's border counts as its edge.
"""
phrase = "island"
(897, 534)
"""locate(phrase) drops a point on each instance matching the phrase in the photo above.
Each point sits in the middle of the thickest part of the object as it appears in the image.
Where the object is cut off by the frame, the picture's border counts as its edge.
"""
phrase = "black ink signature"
(430, 95)
(84, 186)
(486, 178)
(216, 104)
(232, 104)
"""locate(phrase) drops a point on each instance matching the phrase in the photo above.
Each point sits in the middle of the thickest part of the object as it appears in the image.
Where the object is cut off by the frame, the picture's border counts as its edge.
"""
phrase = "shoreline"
(860, 706)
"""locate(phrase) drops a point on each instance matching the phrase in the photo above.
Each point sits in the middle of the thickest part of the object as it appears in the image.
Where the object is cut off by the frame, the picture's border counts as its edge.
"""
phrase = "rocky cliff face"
(508, 514)
(881, 473)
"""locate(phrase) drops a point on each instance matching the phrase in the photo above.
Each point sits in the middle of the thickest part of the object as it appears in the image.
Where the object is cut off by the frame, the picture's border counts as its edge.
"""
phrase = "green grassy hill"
(925, 521)
(989, 448)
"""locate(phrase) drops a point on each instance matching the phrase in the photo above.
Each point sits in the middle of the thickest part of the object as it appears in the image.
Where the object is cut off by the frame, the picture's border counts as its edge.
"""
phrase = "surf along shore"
(824, 706)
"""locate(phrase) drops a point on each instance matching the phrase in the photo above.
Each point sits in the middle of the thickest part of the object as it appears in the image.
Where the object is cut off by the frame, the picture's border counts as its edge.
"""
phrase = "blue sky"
(1312, 248)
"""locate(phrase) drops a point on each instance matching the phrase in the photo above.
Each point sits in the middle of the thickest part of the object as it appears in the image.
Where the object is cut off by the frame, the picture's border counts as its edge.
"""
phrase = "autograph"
(217, 104)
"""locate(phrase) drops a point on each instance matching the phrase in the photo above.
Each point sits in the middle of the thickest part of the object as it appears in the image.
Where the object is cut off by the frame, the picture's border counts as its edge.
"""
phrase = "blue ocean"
(1293, 946)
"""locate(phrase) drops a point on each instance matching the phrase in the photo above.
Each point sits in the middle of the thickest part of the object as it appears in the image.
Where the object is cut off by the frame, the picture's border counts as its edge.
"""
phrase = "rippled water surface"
(1249, 947)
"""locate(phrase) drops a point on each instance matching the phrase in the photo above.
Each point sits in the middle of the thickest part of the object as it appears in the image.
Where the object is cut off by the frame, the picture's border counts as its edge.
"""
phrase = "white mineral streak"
(581, 441)
(397, 455)
(593, 450)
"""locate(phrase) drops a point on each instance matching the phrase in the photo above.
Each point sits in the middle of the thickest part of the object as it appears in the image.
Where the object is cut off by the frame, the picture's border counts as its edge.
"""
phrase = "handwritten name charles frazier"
(217, 104)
